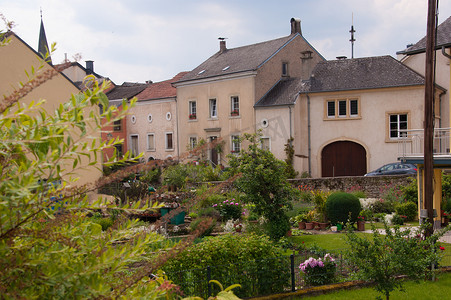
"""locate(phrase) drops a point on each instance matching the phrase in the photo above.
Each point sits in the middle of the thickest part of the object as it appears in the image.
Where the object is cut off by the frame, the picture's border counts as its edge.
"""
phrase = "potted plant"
(320, 198)
(235, 113)
(192, 116)
(309, 225)
(361, 223)
(301, 220)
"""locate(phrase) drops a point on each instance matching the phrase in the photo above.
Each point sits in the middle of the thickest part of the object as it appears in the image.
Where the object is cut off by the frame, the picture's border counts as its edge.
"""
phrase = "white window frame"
(398, 124)
(148, 144)
(190, 142)
(235, 147)
(213, 105)
(269, 142)
(166, 141)
(133, 153)
(341, 108)
(234, 106)
(192, 109)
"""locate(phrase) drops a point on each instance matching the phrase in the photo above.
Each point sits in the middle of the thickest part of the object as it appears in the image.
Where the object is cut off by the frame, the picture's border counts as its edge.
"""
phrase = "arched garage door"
(343, 158)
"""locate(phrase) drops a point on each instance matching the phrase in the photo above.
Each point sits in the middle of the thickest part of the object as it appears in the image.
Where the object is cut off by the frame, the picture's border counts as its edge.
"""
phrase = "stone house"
(216, 100)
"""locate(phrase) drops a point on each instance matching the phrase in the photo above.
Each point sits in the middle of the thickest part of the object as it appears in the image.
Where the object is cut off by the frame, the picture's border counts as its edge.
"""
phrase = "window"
(133, 119)
(119, 150)
(117, 125)
(149, 118)
(169, 144)
(235, 108)
(192, 110)
(168, 116)
(236, 145)
(265, 143)
(342, 108)
(134, 145)
(150, 142)
(192, 142)
(397, 122)
(213, 109)
(285, 69)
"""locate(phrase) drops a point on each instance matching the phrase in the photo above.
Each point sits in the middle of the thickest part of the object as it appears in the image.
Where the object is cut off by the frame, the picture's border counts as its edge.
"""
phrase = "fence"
(256, 279)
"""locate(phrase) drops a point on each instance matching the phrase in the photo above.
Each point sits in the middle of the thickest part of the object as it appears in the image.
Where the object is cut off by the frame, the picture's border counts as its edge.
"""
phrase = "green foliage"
(382, 206)
(319, 271)
(229, 209)
(175, 175)
(320, 199)
(104, 222)
(263, 181)
(341, 207)
(254, 264)
(410, 192)
(407, 209)
(61, 253)
(446, 186)
(289, 151)
(195, 224)
(398, 219)
(386, 256)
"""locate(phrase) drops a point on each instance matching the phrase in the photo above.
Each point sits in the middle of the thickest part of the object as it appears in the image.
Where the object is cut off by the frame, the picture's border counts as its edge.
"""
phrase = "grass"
(423, 290)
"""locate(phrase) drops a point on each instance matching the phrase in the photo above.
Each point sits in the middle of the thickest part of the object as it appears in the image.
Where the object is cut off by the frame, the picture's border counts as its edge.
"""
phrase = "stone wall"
(373, 186)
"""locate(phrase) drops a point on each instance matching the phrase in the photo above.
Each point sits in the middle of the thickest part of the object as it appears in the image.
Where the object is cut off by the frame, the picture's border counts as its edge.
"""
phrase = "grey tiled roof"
(284, 92)
(362, 73)
(126, 91)
(443, 39)
(241, 59)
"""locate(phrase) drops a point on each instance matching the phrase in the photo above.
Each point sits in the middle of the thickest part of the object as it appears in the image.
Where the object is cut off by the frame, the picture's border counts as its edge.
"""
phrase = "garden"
(170, 230)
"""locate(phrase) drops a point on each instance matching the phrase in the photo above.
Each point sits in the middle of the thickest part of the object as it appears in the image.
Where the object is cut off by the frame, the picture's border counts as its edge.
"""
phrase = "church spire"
(43, 47)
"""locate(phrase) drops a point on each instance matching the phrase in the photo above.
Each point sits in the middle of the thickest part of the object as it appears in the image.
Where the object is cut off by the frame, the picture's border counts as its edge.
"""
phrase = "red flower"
(442, 248)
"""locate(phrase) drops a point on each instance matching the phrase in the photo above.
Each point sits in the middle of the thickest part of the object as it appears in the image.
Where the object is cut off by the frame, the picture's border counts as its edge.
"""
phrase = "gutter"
(309, 136)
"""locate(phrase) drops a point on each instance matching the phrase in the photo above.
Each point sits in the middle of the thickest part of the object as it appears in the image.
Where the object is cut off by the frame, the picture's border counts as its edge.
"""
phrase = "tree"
(49, 247)
(386, 257)
(264, 181)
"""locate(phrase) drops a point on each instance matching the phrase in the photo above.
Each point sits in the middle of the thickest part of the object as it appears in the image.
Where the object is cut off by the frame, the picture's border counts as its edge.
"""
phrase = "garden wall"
(373, 186)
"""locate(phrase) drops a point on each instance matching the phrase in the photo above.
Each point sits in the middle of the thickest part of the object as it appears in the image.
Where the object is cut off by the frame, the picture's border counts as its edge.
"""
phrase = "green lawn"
(423, 290)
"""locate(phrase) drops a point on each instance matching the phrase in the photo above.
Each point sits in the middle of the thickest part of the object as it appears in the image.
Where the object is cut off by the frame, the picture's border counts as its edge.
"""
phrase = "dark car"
(394, 169)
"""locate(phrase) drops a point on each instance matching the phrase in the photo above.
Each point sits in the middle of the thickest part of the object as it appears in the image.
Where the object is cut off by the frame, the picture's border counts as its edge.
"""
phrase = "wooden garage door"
(343, 158)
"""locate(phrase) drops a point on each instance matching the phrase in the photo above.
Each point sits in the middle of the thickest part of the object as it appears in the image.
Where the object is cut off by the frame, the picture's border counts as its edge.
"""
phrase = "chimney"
(295, 26)
(222, 44)
(89, 66)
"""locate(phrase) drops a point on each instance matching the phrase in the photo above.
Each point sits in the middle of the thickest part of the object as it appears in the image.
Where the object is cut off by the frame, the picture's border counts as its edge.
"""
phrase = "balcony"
(411, 146)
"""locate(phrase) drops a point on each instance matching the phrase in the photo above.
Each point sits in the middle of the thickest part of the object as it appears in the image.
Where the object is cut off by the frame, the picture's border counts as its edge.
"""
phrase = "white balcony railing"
(412, 142)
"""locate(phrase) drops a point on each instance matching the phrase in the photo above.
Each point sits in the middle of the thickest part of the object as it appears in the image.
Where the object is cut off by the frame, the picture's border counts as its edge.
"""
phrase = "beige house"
(152, 123)
(18, 57)
(216, 100)
(348, 117)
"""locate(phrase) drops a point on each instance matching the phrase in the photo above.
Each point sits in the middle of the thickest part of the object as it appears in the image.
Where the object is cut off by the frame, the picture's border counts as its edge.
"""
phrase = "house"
(152, 123)
(77, 73)
(216, 100)
(414, 56)
(118, 129)
(413, 145)
(17, 58)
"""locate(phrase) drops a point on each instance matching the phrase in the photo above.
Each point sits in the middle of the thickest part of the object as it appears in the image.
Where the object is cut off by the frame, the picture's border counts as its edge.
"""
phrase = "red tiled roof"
(162, 89)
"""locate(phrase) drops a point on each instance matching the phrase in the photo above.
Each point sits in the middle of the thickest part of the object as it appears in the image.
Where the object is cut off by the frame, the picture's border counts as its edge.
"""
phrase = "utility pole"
(428, 116)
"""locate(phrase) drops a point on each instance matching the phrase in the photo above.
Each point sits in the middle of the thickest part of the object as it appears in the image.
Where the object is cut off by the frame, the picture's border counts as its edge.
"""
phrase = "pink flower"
(237, 203)
(320, 264)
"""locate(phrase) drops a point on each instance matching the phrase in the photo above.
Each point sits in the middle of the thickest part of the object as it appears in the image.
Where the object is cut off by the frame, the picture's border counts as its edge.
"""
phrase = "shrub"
(341, 206)
(229, 209)
(319, 271)
(194, 224)
(175, 175)
(256, 265)
(410, 192)
(398, 219)
(382, 206)
(408, 209)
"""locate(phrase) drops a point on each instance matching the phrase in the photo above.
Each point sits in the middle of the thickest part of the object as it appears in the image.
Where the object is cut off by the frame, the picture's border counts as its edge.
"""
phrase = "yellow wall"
(16, 59)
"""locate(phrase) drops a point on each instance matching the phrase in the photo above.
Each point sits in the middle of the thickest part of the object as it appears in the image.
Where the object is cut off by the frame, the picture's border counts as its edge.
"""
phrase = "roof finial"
(41, 12)
(352, 40)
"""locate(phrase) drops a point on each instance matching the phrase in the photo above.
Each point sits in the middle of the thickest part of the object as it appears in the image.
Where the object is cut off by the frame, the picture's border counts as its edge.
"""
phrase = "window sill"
(169, 150)
(341, 118)
(235, 117)
(213, 119)
(151, 150)
(192, 120)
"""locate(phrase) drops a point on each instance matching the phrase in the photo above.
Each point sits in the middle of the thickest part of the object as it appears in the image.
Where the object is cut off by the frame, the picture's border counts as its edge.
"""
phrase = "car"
(396, 168)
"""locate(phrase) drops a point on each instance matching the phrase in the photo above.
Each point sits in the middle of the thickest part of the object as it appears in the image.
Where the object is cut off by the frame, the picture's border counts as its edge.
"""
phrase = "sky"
(140, 40)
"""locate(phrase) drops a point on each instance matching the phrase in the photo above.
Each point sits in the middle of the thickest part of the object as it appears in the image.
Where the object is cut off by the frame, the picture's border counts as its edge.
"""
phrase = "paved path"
(446, 238)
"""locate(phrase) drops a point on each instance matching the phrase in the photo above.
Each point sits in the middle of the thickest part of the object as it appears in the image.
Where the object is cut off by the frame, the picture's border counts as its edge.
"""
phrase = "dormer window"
(284, 69)
(226, 68)
(201, 72)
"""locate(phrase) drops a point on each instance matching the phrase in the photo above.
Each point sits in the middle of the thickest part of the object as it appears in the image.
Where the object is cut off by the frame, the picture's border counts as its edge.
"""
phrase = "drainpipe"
(291, 130)
(309, 137)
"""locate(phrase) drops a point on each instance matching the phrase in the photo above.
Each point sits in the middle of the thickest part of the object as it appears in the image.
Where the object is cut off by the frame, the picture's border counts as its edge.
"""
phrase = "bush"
(382, 206)
(257, 265)
(398, 219)
(410, 192)
(341, 206)
(229, 209)
(319, 271)
(175, 175)
(194, 224)
(408, 209)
